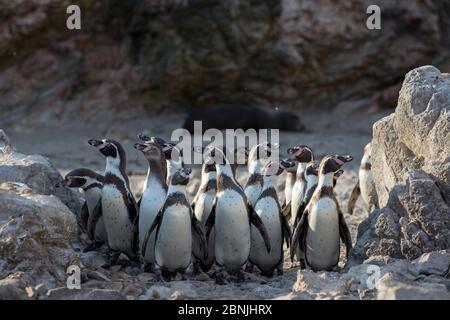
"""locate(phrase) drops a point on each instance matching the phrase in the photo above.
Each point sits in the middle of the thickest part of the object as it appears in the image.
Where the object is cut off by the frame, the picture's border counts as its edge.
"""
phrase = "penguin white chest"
(203, 206)
(232, 230)
(115, 216)
(174, 240)
(202, 211)
(366, 185)
(252, 192)
(298, 192)
(268, 210)
(288, 187)
(151, 202)
(322, 238)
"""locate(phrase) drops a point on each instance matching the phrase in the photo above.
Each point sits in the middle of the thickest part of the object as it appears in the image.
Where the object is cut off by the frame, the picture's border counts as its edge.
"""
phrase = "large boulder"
(36, 236)
(411, 169)
(36, 171)
(208, 52)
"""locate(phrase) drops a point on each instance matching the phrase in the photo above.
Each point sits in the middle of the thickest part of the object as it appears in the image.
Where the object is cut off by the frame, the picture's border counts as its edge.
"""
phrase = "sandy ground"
(328, 133)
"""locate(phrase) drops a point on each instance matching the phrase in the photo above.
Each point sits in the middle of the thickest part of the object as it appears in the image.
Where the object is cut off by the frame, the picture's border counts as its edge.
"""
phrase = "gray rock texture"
(145, 56)
(411, 169)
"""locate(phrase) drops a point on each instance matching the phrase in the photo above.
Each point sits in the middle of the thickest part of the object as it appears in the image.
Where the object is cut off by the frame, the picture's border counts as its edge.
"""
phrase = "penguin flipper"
(286, 210)
(353, 197)
(133, 214)
(299, 214)
(286, 230)
(84, 217)
(155, 223)
(299, 233)
(197, 232)
(344, 232)
(257, 222)
(211, 219)
(93, 219)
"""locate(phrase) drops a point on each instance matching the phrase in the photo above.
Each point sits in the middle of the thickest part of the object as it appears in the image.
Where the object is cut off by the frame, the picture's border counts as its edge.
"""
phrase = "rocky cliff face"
(411, 169)
(149, 55)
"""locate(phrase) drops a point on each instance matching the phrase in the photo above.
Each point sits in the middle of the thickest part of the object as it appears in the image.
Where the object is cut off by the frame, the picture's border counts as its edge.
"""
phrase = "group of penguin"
(230, 227)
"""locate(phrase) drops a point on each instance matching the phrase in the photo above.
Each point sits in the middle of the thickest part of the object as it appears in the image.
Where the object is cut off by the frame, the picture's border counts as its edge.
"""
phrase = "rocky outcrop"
(36, 233)
(36, 172)
(411, 169)
(146, 56)
(37, 228)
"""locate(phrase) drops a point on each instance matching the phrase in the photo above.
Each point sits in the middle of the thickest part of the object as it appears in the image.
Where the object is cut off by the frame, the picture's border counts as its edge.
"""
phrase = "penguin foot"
(280, 271)
(220, 279)
(240, 277)
(149, 267)
(302, 264)
(249, 268)
(195, 268)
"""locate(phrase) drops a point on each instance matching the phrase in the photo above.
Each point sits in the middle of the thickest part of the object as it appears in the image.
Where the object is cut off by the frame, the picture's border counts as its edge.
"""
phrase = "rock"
(182, 290)
(156, 292)
(97, 275)
(411, 169)
(36, 172)
(83, 294)
(36, 232)
(434, 263)
(94, 259)
(40, 289)
(13, 288)
(202, 277)
(270, 52)
(315, 284)
(394, 287)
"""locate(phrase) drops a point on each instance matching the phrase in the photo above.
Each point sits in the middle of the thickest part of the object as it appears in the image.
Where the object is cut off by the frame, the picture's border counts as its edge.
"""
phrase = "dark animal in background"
(243, 117)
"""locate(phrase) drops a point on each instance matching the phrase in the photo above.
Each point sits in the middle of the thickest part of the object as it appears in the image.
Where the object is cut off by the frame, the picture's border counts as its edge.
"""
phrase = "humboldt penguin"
(289, 184)
(173, 156)
(365, 184)
(232, 216)
(268, 209)
(303, 155)
(202, 206)
(322, 224)
(257, 158)
(175, 225)
(91, 183)
(119, 208)
(152, 198)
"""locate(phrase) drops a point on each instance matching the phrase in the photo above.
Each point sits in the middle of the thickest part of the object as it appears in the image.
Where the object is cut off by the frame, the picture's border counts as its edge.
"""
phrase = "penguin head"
(262, 150)
(301, 153)
(331, 164)
(313, 168)
(109, 148)
(170, 150)
(181, 177)
(82, 178)
(277, 167)
(150, 150)
(215, 155)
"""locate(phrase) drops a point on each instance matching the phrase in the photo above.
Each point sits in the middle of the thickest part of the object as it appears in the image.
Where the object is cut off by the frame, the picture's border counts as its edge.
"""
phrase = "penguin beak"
(286, 163)
(344, 159)
(95, 143)
(295, 150)
(140, 146)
